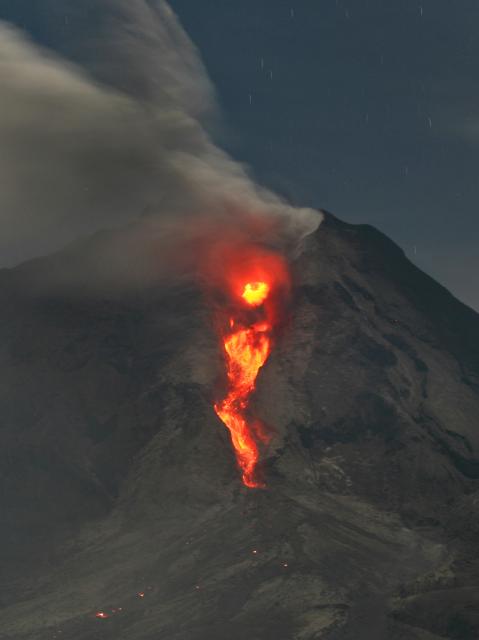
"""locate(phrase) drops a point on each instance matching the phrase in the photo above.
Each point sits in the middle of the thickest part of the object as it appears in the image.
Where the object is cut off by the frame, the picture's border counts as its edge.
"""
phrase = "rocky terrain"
(119, 493)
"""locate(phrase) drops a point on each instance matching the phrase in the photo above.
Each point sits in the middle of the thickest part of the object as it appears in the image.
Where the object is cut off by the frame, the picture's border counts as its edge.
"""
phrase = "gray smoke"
(111, 134)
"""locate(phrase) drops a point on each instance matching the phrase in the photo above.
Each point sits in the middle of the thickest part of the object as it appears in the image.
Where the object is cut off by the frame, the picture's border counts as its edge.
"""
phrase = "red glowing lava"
(257, 285)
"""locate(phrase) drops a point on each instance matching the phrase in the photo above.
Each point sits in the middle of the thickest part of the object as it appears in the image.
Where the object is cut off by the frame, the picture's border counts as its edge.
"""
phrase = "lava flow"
(257, 285)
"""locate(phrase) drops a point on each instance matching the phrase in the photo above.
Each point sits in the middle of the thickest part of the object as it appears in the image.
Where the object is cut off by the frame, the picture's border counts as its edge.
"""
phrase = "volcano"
(123, 512)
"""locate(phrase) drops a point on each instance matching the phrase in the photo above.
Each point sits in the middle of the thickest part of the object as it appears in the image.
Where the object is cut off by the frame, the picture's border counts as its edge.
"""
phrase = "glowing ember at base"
(102, 615)
(258, 283)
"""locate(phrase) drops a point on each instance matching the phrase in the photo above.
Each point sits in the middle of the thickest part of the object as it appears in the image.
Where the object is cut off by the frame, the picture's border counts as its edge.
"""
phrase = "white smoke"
(120, 140)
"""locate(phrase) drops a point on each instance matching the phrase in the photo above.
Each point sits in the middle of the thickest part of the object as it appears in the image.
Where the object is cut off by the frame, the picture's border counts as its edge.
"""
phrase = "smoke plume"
(110, 132)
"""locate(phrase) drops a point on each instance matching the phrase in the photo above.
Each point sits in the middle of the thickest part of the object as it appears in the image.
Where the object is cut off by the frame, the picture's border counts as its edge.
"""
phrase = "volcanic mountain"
(123, 511)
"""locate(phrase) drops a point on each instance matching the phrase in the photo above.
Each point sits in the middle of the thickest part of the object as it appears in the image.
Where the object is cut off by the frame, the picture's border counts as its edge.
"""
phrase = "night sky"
(367, 108)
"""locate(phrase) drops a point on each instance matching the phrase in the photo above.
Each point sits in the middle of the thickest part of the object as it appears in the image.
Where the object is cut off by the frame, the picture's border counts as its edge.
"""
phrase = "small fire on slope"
(255, 288)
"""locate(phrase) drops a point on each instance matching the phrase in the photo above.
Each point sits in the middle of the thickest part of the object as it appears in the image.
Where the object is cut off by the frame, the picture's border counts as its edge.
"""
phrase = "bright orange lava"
(255, 293)
(246, 349)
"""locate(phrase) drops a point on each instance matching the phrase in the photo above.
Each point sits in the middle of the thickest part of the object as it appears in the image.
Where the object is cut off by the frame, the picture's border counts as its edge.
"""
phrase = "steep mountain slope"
(120, 492)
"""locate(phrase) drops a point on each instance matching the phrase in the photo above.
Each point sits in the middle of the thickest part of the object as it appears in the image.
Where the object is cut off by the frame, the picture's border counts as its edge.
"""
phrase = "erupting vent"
(255, 293)
(257, 286)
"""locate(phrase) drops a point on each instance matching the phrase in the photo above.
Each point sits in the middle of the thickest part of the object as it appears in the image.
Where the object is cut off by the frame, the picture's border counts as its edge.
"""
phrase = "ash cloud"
(111, 134)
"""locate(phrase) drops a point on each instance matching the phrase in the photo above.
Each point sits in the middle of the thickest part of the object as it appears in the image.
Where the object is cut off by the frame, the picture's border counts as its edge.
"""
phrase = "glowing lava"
(255, 293)
(257, 284)
(246, 352)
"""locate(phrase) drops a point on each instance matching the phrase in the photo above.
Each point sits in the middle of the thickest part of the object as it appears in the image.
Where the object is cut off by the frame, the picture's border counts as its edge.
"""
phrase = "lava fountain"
(254, 286)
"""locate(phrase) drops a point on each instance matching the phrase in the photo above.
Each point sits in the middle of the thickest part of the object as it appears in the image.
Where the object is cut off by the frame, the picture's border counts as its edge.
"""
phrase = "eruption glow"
(257, 285)
(255, 293)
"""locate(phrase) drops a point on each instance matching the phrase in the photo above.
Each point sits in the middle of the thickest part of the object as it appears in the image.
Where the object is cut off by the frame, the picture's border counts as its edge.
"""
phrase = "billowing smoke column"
(252, 297)
(132, 153)
(131, 150)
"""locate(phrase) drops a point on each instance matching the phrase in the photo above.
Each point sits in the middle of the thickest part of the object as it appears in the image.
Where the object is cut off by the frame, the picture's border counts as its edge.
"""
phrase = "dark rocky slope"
(118, 479)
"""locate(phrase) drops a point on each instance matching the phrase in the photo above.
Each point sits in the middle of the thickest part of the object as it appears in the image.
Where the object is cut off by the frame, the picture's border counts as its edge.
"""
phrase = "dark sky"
(368, 108)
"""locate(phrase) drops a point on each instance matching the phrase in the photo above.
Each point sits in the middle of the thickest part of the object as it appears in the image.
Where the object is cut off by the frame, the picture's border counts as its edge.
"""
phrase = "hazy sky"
(368, 108)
